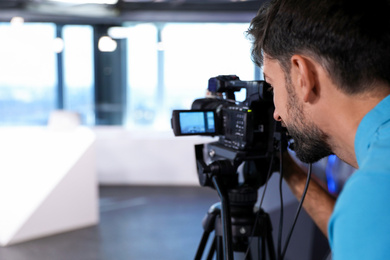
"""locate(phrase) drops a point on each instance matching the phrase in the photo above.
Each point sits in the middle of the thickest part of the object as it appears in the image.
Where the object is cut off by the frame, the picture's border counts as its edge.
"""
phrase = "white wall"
(145, 157)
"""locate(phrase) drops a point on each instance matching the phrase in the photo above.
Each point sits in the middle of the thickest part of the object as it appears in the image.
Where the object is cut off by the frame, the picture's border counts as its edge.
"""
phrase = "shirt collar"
(368, 126)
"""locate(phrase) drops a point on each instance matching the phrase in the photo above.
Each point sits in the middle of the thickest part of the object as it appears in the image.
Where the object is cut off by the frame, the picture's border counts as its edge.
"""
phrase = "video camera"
(245, 129)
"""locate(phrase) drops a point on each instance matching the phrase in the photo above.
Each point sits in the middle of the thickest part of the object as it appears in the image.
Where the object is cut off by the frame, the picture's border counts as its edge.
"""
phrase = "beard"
(310, 142)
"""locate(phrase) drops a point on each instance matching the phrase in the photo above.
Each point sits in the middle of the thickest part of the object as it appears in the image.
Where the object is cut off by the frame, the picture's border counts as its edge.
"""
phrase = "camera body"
(241, 126)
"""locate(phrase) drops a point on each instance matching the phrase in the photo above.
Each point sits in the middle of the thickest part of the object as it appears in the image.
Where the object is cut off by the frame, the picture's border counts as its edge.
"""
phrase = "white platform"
(47, 182)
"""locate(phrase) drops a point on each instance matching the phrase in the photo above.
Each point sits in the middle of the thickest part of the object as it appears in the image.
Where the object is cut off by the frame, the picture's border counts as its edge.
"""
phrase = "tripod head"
(215, 159)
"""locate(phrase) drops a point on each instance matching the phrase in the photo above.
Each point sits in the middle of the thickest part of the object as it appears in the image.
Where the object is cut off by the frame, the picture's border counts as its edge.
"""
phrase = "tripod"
(236, 223)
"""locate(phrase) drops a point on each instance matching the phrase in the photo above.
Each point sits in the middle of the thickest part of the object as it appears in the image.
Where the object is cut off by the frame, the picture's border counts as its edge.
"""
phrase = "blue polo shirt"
(359, 227)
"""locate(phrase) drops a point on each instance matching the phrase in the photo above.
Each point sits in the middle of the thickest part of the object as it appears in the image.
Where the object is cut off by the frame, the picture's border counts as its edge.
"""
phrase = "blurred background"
(119, 65)
(90, 168)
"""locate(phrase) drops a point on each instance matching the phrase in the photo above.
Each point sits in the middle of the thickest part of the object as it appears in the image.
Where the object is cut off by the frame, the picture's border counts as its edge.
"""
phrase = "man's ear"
(303, 72)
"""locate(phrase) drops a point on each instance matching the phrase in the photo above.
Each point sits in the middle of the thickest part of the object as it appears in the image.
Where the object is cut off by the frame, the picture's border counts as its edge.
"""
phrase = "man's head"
(311, 144)
(350, 40)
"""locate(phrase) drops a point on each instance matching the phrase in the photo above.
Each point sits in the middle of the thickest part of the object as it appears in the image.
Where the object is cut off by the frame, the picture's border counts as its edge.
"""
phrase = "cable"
(279, 252)
(298, 210)
(268, 177)
(261, 202)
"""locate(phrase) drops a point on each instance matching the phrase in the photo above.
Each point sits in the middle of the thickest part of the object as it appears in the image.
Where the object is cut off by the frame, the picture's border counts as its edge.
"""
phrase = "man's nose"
(277, 116)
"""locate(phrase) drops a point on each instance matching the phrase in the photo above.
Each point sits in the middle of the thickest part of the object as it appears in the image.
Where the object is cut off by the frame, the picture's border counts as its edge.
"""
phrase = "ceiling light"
(104, 2)
(117, 32)
(107, 44)
(17, 20)
(58, 45)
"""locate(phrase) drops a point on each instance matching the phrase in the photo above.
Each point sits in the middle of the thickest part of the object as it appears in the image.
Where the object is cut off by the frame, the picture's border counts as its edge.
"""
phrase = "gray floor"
(157, 223)
(135, 223)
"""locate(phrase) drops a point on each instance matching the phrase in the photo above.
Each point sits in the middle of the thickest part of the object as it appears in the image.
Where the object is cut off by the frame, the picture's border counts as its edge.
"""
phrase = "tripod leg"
(208, 224)
(262, 246)
(212, 249)
(202, 245)
(225, 218)
(219, 248)
(249, 256)
(271, 248)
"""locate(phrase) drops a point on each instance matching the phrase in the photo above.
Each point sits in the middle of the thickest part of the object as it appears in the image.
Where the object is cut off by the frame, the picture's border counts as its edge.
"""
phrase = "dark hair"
(350, 39)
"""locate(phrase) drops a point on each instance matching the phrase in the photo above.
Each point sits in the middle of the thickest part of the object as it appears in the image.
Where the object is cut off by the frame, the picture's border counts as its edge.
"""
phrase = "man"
(328, 62)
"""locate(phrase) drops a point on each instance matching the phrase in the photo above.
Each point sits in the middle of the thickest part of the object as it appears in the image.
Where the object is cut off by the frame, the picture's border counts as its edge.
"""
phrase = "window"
(170, 64)
(196, 52)
(142, 74)
(168, 67)
(78, 71)
(28, 74)
(29, 79)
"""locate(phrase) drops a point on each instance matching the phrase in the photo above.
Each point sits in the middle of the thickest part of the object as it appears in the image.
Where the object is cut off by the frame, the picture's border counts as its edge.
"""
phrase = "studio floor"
(154, 223)
(139, 223)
